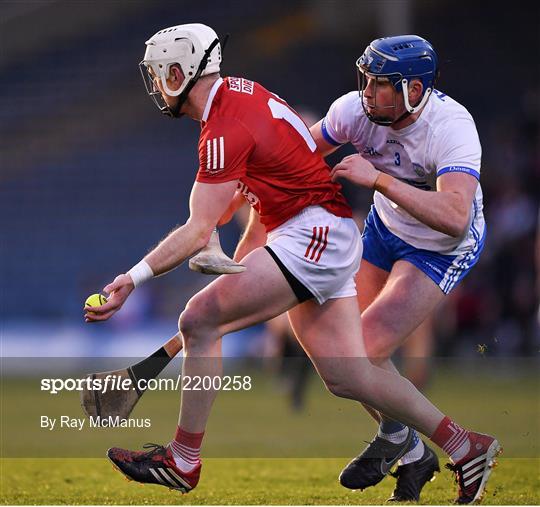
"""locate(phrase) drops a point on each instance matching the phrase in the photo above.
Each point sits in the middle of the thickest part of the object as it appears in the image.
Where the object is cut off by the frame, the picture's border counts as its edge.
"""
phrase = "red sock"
(186, 449)
(452, 439)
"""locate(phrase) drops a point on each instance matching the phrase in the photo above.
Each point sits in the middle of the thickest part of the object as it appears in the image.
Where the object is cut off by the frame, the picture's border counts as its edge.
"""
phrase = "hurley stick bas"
(117, 402)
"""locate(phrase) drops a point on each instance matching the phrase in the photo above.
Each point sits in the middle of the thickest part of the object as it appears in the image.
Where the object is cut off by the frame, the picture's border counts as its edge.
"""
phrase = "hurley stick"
(117, 402)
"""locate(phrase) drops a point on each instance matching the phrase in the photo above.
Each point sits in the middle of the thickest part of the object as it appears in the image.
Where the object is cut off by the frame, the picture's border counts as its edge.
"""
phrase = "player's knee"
(192, 323)
(379, 338)
(379, 350)
(186, 324)
(350, 387)
(338, 388)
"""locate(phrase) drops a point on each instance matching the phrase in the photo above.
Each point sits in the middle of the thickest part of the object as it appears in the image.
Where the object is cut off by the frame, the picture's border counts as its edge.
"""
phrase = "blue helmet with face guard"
(400, 59)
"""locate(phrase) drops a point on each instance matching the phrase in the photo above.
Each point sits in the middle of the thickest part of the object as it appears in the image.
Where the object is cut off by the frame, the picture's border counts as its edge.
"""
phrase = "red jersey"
(251, 135)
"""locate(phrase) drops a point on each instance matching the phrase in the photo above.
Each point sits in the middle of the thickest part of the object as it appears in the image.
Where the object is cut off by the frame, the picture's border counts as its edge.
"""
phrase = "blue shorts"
(383, 249)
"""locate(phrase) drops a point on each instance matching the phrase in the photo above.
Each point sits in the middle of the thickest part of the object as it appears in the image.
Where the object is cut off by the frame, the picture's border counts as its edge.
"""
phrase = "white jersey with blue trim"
(443, 139)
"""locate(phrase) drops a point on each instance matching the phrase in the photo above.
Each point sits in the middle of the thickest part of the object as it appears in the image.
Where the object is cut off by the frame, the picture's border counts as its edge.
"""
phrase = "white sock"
(186, 458)
(414, 454)
(396, 438)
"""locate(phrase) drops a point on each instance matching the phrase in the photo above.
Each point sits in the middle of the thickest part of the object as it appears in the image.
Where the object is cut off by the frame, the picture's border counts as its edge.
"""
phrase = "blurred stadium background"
(92, 176)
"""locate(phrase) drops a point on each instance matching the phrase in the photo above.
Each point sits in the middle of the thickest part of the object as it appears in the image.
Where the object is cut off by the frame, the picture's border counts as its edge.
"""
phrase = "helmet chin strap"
(409, 110)
(174, 111)
(405, 114)
(386, 122)
(379, 120)
(421, 104)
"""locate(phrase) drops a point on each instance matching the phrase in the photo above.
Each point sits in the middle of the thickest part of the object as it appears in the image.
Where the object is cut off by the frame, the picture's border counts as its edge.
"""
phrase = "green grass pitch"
(257, 451)
(252, 481)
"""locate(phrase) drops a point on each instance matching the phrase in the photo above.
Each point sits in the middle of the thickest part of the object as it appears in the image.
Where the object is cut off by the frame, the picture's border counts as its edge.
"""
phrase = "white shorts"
(322, 251)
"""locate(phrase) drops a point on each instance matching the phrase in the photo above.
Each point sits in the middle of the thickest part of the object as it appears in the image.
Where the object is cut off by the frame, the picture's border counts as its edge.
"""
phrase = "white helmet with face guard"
(194, 47)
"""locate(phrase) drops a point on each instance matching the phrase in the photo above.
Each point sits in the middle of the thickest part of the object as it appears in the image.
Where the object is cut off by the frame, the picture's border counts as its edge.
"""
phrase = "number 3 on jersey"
(397, 158)
(282, 112)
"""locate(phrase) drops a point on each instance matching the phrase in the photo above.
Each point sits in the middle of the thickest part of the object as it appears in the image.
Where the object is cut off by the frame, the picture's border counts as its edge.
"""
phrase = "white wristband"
(140, 273)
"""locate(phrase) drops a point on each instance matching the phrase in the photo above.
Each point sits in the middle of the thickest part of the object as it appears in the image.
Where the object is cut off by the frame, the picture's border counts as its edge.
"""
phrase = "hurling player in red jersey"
(252, 140)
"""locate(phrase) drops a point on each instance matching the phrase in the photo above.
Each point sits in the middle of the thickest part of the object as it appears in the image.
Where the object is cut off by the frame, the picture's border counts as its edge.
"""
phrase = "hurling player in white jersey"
(419, 150)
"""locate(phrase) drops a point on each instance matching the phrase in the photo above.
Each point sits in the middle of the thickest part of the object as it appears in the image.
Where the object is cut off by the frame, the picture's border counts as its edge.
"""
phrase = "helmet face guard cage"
(149, 76)
(379, 119)
(152, 89)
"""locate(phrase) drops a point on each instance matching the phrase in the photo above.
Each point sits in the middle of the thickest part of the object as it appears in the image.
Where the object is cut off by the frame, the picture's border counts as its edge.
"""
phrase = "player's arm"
(324, 145)
(254, 237)
(208, 203)
(338, 125)
(447, 210)
(237, 202)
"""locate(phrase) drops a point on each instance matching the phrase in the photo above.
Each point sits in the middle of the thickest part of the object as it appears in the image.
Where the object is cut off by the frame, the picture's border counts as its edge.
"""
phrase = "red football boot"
(473, 471)
(156, 466)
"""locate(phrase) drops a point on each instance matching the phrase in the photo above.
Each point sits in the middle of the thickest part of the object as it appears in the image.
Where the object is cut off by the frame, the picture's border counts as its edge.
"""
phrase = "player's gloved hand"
(356, 169)
(119, 290)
